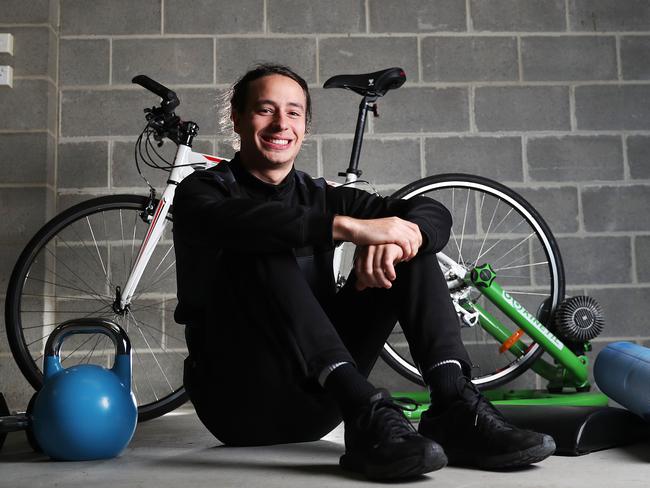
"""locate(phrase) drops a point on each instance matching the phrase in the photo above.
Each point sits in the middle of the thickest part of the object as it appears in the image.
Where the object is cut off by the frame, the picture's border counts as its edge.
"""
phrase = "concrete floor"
(176, 451)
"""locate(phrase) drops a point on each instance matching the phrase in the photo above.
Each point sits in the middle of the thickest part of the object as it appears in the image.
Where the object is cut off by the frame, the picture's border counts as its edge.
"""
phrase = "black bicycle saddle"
(372, 84)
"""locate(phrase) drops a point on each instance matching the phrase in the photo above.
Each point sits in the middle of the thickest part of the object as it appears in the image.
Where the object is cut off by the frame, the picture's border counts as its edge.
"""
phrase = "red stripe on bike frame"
(161, 204)
(212, 158)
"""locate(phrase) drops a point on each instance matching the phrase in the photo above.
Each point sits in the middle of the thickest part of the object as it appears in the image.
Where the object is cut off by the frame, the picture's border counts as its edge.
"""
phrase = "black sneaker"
(474, 433)
(382, 443)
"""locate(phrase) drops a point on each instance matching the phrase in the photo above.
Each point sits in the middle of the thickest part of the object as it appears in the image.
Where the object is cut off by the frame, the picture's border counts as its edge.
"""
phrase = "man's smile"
(275, 142)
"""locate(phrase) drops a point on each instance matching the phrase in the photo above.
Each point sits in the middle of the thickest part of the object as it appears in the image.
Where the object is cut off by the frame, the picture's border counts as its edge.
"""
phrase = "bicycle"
(113, 256)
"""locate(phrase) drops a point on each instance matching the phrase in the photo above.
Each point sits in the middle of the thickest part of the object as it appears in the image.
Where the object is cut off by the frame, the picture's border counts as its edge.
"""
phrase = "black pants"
(253, 363)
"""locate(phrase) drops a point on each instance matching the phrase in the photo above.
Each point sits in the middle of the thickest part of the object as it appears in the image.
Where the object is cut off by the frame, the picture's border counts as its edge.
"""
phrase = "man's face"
(272, 125)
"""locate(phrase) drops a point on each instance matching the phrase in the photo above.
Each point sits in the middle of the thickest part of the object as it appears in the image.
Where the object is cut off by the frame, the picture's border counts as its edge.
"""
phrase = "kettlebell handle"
(89, 325)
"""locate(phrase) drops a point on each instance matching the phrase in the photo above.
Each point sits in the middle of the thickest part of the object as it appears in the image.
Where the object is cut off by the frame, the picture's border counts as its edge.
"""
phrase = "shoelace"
(492, 418)
(386, 414)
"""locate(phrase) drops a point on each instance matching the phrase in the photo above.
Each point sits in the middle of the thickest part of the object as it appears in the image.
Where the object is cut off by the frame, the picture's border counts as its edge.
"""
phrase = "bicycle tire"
(544, 284)
(71, 269)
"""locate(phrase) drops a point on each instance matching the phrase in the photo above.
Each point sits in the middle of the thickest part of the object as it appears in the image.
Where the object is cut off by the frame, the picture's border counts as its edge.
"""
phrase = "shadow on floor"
(639, 451)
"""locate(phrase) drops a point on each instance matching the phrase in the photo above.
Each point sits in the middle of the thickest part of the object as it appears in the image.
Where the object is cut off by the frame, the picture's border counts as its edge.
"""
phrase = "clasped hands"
(381, 244)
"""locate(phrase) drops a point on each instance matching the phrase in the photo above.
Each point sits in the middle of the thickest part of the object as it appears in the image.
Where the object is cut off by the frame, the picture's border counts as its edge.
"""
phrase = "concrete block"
(383, 376)
(638, 150)
(575, 158)
(110, 17)
(424, 110)
(293, 16)
(52, 107)
(83, 164)
(213, 16)
(494, 157)
(334, 111)
(121, 111)
(557, 206)
(50, 168)
(518, 15)
(522, 108)
(84, 62)
(21, 12)
(609, 15)
(8, 256)
(13, 384)
(383, 162)
(67, 200)
(24, 157)
(307, 159)
(53, 55)
(469, 59)
(613, 107)
(584, 257)
(84, 271)
(364, 55)
(568, 58)
(27, 101)
(116, 112)
(635, 51)
(642, 246)
(22, 212)
(236, 56)
(616, 208)
(30, 56)
(417, 16)
(125, 174)
(55, 8)
(199, 105)
(168, 61)
(224, 149)
(623, 315)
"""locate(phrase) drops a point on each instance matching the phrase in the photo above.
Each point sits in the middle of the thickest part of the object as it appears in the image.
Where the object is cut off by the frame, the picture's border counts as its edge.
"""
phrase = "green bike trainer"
(514, 397)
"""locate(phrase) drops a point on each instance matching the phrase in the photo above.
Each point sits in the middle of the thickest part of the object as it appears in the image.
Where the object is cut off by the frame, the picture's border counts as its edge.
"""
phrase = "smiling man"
(275, 354)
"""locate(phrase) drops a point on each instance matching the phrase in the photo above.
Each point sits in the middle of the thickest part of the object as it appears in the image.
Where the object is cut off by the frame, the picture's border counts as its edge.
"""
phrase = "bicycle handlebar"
(170, 100)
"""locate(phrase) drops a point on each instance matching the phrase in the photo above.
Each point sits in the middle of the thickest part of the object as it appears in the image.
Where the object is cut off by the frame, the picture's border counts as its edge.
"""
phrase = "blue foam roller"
(622, 372)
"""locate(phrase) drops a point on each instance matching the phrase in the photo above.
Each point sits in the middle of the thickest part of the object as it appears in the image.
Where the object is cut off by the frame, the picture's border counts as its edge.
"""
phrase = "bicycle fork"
(155, 230)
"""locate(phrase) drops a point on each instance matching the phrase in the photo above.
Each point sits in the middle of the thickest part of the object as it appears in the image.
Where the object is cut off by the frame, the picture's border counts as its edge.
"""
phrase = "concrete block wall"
(28, 147)
(551, 97)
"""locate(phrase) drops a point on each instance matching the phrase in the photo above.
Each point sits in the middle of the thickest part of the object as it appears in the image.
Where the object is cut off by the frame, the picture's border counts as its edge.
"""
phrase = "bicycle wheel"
(491, 224)
(71, 269)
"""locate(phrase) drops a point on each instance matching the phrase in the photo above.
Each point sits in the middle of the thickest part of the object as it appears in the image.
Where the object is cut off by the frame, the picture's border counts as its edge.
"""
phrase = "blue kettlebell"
(86, 411)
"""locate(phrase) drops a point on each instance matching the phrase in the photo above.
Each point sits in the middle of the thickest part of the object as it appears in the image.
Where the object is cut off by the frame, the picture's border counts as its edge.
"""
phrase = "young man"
(275, 354)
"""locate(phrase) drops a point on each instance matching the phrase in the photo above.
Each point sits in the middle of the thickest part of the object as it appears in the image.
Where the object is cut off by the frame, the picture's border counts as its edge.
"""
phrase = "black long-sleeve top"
(228, 209)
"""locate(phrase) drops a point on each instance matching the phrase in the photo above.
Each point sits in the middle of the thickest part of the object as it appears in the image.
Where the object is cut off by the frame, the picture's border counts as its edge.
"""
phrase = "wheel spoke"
(487, 232)
(462, 232)
(78, 347)
(73, 273)
(164, 275)
(518, 246)
(524, 240)
(135, 321)
(99, 297)
(541, 263)
(146, 373)
(99, 255)
(56, 275)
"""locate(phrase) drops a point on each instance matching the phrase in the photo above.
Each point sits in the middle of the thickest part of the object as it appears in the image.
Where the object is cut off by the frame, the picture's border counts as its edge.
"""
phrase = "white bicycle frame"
(186, 162)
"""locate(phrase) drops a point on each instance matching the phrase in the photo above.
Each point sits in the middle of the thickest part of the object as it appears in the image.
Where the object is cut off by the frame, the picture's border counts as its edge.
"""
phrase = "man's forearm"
(341, 228)
(386, 230)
